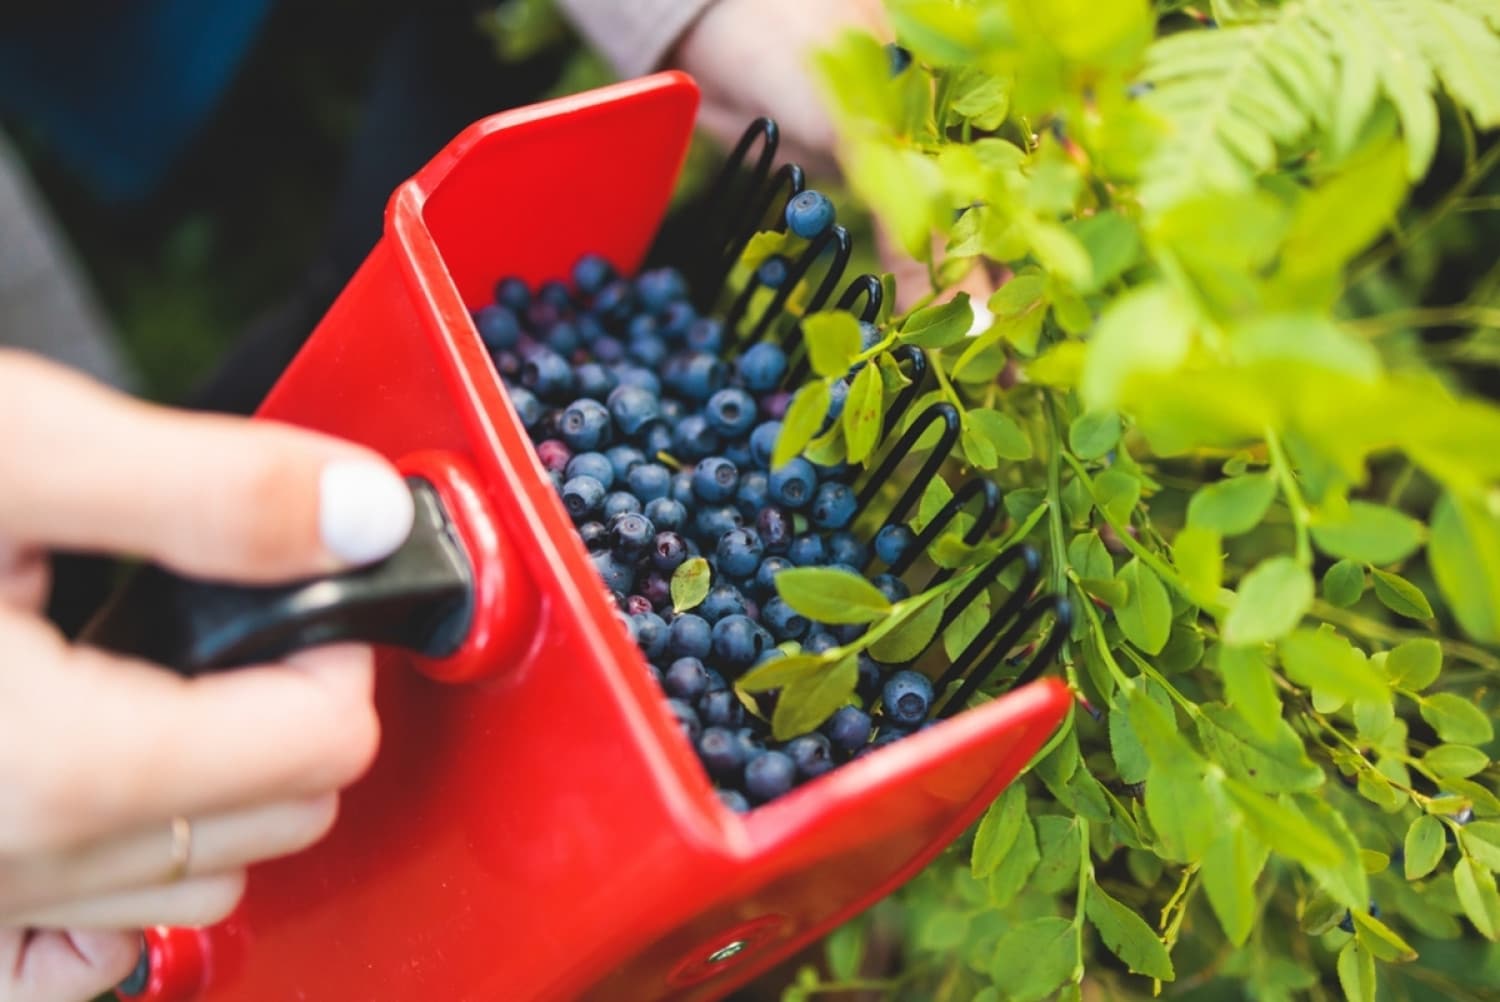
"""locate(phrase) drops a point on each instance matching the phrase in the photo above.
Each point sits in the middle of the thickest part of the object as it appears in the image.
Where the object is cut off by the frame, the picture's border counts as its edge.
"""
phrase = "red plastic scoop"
(535, 826)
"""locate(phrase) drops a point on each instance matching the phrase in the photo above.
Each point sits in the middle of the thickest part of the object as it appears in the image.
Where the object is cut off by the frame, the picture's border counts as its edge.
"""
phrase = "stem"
(1301, 517)
(1054, 500)
(1096, 629)
(1085, 875)
(1428, 316)
(947, 387)
(1188, 706)
(1374, 629)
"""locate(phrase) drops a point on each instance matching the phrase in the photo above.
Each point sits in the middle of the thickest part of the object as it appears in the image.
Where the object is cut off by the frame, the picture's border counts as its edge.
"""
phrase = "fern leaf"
(1466, 55)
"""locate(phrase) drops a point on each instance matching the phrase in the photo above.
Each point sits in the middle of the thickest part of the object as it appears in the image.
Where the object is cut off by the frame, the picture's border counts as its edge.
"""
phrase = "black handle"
(420, 597)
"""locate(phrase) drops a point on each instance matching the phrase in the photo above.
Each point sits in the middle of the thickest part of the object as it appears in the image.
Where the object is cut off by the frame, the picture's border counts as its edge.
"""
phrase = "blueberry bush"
(1235, 402)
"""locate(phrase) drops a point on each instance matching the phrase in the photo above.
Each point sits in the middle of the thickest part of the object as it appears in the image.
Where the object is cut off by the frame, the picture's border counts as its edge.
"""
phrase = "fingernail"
(365, 510)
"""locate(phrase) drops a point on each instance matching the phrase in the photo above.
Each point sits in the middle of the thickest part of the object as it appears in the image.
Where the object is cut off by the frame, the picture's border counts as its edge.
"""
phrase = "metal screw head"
(726, 951)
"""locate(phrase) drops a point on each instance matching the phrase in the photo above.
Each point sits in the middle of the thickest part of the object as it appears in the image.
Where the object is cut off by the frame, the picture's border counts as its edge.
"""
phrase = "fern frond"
(1278, 80)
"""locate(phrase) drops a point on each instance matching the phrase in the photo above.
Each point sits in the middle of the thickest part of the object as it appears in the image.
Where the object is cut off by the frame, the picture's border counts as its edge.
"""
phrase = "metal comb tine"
(842, 247)
(981, 674)
(865, 285)
(908, 395)
(729, 215)
(941, 412)
(971, 488)
(998, 618)
(982, 522)
(1062, 608)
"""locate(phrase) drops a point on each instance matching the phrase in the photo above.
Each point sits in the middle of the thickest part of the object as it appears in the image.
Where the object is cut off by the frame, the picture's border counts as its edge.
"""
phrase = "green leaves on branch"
(1272, 600)
(825, 595)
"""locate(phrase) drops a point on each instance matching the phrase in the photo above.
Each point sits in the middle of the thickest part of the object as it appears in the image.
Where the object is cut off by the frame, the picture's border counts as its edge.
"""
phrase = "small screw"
(723, 953)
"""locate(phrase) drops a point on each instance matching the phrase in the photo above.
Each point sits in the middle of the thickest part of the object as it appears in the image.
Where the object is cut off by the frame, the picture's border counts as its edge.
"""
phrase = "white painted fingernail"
(983, 319)
(365, 510)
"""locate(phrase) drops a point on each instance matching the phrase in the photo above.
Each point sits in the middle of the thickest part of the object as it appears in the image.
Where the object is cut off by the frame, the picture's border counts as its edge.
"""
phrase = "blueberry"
(564, 338)
(649, 481)
(682, 490)
(907, 697)
(761, 367)
(677, 319)
(697, 377)
(794, 483)
(738, 453)
(773, 271)
(659, 288)
(630, 374)
(869, 684)
(513, 294)
(818, 640)
(657, 589)
(807, 550)
(751, 742)
(591, 272)
(508, 364)
(764, 582)
(631, 407)
(838, 392)
(635, 605)
(869, 335)
(622, 458)
(668, 551)
(848, 633)
(721, 600)
(583, 497)
(594, 535)
(848, 729)
(706, 335)
(693, 439)
(715, 479)
(542, 316)
(584, 425)
(833, 506)
(892, 587)
(498, 327)
(592, 464)
(847, 549)
(528, 408)
(655, 438)
(713, 521)
(687, 719)
(666, 514)
(784, 622)
(554, 455)
(721, 708)
(671, 409)
(721, 752)
(650, 634)
(547, 374)
(773, 406)
(769, 776)
(775, 528)
(738, 642)
(590, 329)
(763, 443)
(1347, 922)
(753, 493)
(649, 351)
(618, 574)
(716, 682)
(619, 503)
(809, 213)
(812, 755)
(734, 800)
(893, 542)
(730, 412)
(631, 535)
(607, 350)
(900, 58)
(614, 303)
(739, 552)
(691, 637)
(685, 678)
(594, 380)
(555, 293)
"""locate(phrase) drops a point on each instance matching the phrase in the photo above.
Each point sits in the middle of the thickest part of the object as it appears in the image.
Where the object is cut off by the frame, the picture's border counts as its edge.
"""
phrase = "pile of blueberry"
(661, 452)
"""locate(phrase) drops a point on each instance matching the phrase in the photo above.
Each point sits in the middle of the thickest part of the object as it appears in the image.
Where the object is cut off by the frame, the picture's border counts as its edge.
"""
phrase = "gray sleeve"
(634, 35)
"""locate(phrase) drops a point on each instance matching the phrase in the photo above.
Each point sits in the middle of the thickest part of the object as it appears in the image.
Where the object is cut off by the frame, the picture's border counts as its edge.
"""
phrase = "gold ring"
(182, 848)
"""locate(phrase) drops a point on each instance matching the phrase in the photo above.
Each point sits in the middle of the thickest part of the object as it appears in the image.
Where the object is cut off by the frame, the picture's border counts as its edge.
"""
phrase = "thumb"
(86, 468)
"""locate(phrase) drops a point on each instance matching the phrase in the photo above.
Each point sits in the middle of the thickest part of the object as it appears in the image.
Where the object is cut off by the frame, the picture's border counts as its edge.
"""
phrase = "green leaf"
(825, 595)
(862, 414)
(846, 950)
(803, 418)
(1116, 493)
(1059, 839)
(1198, 554)
(1146, 331)
(998, 831)
(1272, 600)
(1415, 664)
(1092, 435)
(806, 703)
(909, 638)
(1131, 762)
(1005, 436)
(1344, 583)
(1457, 719)
(1232, 507)
(982, 98)
(1229, 872)
(1465, 555)
(1017, 866)
(832, 341)
(1185, 820)
(1326, 662)
(1369, 533)
(1127, 936)
(1034, 958)
(1481, 839)
(936, 31)
(1112, 245)
(1477, 895)
(940, 325)
(690, 583)
(1088, 556)
(1251, 688)
(1356, 973)
(935, 496)
(782, 671)
(1382, 941)
(1457, 761)
(962, 631)
(1274, 764)
(1423, 846)
(1400, 595)
(1283, 827)
(1146, 616)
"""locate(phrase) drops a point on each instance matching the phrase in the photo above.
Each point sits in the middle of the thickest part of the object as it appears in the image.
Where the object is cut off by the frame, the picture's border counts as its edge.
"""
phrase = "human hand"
(99, 753)
(753, 58)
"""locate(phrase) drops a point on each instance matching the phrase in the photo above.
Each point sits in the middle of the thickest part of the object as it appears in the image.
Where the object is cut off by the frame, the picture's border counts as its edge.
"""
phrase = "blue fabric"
(118, 94)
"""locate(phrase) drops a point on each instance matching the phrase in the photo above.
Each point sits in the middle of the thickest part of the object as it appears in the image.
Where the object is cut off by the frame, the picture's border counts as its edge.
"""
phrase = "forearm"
(635, 35)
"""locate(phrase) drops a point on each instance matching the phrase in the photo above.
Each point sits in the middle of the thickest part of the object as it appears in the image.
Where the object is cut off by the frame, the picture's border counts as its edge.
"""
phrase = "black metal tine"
(1062, 608)
(981, 674)
(839, 238)
(866, 285)
(971, 488)
(981, 583)
(908, 395)
(788, 176)
(732, 215)
(944, 412)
